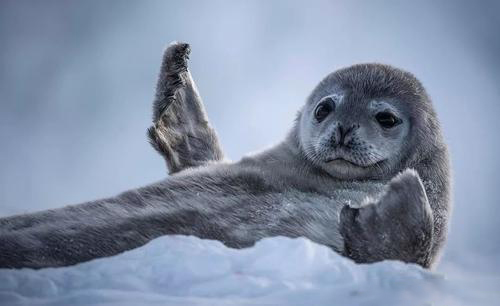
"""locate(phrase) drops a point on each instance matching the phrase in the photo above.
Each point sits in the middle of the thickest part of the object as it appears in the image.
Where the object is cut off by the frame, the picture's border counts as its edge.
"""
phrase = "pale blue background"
(77, 80)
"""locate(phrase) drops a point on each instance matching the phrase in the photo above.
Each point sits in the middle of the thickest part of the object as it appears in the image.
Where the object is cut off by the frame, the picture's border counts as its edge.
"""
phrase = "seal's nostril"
(337, 136)
(342, 135)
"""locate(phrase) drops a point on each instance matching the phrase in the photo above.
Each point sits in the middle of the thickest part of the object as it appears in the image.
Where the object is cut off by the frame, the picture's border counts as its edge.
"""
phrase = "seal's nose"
(342, 135)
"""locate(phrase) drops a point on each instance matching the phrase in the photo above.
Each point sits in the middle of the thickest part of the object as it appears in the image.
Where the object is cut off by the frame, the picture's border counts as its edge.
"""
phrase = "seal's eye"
(387, 120)
(323, 109)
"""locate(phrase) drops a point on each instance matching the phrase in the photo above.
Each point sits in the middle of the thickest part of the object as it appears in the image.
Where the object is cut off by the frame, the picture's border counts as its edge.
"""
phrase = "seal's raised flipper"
(181, 132)
(398, 226)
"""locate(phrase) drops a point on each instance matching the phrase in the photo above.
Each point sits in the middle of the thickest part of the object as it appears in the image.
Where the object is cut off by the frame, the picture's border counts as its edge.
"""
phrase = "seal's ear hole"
(387, 119)
(324, 108)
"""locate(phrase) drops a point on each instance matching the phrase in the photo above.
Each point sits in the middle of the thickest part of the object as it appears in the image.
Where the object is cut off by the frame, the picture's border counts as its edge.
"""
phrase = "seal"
(364, 170)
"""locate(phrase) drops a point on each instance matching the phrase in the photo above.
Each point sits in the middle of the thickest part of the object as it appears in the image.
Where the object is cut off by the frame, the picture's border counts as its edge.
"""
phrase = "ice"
(183, 270)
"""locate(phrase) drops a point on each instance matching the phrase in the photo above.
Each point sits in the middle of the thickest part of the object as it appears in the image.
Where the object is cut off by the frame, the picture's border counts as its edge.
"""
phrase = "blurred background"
(77, 80)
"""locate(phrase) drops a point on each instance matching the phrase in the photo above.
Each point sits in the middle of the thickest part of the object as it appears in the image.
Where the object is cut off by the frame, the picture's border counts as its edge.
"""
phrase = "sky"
(77, 81)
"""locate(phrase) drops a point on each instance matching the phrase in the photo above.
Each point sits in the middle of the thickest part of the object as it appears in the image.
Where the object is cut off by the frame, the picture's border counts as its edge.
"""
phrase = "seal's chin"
(345, 169)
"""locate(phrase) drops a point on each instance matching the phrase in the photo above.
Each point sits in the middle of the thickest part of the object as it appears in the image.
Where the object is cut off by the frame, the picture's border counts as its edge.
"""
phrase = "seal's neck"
(286, 156)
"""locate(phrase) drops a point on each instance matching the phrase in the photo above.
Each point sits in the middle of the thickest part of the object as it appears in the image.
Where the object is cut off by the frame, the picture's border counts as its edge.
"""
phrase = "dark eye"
(387, 120)
(323, 109)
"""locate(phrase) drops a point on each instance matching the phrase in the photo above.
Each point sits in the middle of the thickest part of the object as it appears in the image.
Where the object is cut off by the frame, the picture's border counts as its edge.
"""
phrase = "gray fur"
(401, 223)
(355, 194)
(181, 132)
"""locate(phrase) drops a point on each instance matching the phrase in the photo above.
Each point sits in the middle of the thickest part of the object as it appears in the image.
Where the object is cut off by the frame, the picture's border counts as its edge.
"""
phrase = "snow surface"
(182, 270)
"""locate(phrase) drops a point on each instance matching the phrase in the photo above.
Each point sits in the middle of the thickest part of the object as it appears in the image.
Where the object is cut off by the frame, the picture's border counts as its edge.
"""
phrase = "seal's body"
(364, 170)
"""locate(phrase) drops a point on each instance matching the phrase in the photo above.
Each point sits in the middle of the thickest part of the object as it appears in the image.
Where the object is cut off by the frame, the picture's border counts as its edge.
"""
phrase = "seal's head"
(367, 121)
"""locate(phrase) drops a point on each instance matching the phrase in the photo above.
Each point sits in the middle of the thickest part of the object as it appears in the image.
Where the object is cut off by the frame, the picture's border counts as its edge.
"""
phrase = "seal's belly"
(318, 214)
(357, 193)
(354, 194)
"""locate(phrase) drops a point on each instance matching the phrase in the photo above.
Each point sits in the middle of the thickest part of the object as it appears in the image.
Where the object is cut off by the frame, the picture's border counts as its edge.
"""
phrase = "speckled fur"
(388, 212)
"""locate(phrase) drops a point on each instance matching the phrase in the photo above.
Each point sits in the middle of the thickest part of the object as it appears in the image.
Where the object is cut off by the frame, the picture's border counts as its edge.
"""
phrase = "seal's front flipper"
(181, 132)
(398, 226)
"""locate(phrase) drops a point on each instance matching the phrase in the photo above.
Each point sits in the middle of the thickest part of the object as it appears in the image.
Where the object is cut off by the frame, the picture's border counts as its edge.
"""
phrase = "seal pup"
(364, 170)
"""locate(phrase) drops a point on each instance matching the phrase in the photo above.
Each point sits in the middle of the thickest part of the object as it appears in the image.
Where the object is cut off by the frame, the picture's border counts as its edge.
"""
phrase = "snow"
(182, 270)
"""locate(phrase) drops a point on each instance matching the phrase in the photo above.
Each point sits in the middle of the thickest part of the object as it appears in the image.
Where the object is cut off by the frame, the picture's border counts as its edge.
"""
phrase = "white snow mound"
(182, 270)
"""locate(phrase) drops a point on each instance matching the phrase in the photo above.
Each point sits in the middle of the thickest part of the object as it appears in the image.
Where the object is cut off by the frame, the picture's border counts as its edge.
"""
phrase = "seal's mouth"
(341, 161)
